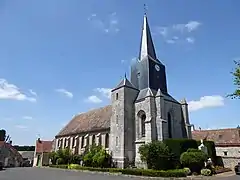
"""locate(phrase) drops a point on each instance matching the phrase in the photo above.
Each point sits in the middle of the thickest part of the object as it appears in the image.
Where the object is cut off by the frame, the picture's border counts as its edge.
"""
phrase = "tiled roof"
(221, 137)
(43, 146)
(11, 148)
(96, 119)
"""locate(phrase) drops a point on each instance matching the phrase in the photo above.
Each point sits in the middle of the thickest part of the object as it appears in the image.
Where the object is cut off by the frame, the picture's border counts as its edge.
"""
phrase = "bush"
(187, 171)
(73, 166)
(206, 172)
(193, 159)
(136, 172)
(97, 157)
(53, 157)
(178, 146)
(157, 155)
(76, 159)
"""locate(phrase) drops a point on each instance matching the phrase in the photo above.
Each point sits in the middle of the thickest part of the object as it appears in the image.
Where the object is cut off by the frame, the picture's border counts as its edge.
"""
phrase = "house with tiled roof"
(9, 156)
(42, 152)
(141, 110)
(227, 142)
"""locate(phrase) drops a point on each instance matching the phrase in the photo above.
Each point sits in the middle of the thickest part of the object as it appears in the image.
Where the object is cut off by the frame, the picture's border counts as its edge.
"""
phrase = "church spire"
(147, 47)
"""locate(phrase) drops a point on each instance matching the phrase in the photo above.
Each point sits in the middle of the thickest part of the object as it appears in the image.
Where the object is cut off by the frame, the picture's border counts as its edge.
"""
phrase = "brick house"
(9, 156)
(42, 151)
(227, 142)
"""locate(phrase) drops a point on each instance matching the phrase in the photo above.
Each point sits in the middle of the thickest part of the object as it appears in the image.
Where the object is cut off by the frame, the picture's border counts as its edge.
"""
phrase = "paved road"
(59, 174)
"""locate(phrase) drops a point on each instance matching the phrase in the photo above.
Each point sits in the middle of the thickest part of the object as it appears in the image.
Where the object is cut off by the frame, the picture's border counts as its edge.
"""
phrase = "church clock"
(157, 67)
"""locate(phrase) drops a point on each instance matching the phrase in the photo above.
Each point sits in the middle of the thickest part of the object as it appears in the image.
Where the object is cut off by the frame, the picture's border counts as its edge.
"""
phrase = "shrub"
(193, 159)
(76, 158)
(101, 159)
(59, 161)
(137, 172)
(73, 166)
(97, 157)
(187, 171)
(178, 146)
(206, 172)
(53, 157)
(157, 155)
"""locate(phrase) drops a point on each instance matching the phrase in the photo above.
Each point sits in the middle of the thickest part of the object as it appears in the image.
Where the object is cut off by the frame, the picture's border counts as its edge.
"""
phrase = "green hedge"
(178, 146)
(137, 172)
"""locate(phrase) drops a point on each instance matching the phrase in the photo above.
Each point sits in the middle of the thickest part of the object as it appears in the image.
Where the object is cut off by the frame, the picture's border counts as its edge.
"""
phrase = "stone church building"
(141, 111)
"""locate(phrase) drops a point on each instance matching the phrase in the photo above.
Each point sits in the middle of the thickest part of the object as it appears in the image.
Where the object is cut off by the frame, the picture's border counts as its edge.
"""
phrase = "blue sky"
(59, 58)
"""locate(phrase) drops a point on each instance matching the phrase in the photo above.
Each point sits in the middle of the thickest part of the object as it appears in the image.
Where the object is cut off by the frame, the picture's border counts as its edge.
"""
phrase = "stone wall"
(230, 156)
(78, 143)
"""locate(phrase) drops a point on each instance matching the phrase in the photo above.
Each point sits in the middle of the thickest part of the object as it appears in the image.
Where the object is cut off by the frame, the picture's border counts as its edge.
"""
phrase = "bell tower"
(148, 71)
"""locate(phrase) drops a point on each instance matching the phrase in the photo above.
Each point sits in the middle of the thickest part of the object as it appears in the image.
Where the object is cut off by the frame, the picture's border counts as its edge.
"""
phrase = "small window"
(116, 96)
(225, 153)
(116, 119)
(116, 141)
(220, 136)
(138, 74)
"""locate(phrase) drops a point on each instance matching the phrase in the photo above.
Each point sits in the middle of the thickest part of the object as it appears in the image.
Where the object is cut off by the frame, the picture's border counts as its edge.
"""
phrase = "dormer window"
(116, 96)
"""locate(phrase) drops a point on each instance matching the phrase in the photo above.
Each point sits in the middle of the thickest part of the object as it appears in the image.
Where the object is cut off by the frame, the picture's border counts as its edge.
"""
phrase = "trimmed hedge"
(136, 172)
(179, 146)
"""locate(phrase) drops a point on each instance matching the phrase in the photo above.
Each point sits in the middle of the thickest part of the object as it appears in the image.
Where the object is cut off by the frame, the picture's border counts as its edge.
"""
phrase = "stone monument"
(203, 148)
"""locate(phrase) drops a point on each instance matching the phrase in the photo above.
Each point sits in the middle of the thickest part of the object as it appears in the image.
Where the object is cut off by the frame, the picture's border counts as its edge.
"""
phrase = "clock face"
(157, 67)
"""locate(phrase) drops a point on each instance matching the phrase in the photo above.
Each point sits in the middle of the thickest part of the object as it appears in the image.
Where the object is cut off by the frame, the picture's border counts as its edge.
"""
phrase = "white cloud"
(192, 26)
(206, 102)
(190, 39)
(27, 117)
(177, 32)
(65, 92)
(108, 25)
(21, 127)
(106, 92)
(33, 92)
(11, 91)
(93, 99)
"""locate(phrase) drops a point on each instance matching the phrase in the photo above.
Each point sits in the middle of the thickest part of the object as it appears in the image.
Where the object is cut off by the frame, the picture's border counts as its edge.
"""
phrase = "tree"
(236, 81)
(2, 135)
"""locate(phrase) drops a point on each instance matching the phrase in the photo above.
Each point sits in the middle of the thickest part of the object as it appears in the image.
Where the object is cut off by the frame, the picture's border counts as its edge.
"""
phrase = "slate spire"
(147, 46)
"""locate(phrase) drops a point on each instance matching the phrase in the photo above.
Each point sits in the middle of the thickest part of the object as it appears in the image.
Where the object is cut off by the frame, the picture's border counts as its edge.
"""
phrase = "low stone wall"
(230, 162)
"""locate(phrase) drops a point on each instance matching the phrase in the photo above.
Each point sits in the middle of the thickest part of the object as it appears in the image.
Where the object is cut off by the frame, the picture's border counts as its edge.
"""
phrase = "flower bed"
(219, 169)
(136, 172)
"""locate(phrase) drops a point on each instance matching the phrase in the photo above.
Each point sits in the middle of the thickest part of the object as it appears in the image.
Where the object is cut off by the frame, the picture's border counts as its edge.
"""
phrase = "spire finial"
(145, 9)
(125, 75)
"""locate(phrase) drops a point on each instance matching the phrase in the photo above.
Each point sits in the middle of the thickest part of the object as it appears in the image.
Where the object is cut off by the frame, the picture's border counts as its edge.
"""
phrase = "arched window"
(169, 125)
(141, 122)
(93, 140)
(107, 141)
(143, 118)
(82, 143)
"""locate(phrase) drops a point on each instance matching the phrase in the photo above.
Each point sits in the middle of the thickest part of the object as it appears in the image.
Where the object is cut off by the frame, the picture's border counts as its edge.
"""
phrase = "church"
(141, 111)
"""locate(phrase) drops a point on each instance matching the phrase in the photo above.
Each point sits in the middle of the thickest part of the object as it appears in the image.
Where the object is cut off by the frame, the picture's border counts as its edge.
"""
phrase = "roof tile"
(219, 136)
(92, 120)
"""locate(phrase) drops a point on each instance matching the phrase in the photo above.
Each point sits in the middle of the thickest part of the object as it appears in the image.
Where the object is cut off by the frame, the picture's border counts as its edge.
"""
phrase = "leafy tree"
(157, 155)
(97, 157)
(2, 135)
(236, 81)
